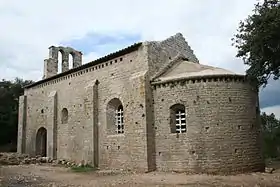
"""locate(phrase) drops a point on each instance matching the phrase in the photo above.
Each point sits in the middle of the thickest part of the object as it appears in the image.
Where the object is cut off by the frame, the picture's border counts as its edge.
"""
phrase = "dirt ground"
(50, 176)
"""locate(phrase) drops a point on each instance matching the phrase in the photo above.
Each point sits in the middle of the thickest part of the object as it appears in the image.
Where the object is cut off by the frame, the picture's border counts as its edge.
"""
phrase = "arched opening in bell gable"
(59, 61)
(71, 60)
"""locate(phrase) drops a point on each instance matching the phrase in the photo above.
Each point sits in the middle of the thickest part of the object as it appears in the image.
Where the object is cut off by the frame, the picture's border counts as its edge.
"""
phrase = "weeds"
(85, 168)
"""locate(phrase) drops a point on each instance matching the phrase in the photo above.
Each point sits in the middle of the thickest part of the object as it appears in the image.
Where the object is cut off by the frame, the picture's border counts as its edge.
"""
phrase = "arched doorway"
(41, 142)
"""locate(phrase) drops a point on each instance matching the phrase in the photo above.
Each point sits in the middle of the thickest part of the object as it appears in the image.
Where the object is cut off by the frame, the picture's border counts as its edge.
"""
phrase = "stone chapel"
(150, 106)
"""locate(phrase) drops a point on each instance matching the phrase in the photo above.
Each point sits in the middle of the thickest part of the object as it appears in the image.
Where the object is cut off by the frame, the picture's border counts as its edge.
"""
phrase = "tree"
(9, 94)
(271, 135)
(258, 42)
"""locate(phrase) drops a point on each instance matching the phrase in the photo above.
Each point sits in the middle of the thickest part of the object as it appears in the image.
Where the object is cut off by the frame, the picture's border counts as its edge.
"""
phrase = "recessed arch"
(41, 142)
(64, 116)
(115, 116)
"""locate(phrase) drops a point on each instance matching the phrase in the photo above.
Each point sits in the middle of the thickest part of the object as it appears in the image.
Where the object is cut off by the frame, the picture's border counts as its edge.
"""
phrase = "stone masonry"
(150, 106)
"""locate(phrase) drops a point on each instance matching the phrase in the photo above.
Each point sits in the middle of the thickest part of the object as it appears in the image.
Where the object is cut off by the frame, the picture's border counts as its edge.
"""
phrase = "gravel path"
(50, 176)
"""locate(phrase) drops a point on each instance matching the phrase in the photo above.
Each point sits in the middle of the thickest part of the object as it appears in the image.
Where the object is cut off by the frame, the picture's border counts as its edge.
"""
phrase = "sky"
(97, 28)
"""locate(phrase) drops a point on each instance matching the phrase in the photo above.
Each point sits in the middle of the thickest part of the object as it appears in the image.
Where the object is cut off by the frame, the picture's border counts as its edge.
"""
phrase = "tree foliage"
(258, 41)
(271, 135)
(9, 95)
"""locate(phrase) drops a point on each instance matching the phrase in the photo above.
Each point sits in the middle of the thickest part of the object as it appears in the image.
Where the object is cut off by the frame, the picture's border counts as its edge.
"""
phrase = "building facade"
(150, 106)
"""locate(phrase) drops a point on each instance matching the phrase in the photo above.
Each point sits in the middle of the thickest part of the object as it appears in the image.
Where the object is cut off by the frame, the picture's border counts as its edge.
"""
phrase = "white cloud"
(29, 27)
(272, 109)
(90, 56)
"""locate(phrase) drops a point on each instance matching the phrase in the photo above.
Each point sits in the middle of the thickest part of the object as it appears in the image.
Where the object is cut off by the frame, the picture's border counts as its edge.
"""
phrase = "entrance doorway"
(41, 142)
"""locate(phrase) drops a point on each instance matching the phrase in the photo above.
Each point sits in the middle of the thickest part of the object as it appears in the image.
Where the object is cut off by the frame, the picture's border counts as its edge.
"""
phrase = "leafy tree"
(258, 41)
(9, 94)
(271, 135)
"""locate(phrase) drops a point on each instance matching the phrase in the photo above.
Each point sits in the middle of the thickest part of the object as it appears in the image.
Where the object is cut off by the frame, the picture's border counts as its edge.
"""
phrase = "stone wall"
(21, 139)
(85, 136)
(161, 52)
(177, 44)
(223, 133)
(124, 78)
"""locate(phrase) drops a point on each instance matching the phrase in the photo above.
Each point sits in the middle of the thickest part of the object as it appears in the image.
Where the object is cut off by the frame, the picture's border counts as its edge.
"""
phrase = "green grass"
(86, 168)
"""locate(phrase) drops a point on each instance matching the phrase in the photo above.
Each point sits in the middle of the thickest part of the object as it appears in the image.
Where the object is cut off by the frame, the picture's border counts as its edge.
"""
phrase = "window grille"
(119, 120)
(180, 121)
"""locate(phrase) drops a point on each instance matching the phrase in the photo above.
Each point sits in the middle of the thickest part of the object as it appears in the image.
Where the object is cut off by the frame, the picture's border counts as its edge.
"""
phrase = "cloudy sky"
(96, 28)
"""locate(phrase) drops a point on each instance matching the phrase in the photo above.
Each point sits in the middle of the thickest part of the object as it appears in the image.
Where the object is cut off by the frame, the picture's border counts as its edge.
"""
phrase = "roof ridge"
(100, 60)
(179, 57)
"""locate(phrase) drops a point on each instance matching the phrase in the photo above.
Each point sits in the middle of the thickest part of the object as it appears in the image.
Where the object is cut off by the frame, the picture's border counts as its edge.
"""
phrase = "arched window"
(178, 122)
(64, 116)
(115, 117)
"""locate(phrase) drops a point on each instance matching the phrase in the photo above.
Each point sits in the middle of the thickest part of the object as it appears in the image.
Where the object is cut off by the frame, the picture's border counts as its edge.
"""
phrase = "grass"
(85, 168)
